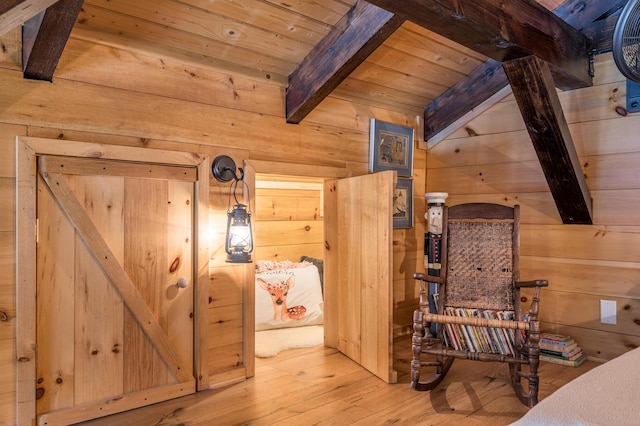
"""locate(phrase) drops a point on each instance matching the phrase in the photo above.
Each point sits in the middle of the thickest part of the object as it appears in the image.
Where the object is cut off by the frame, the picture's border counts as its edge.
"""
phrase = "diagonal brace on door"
(118, 276)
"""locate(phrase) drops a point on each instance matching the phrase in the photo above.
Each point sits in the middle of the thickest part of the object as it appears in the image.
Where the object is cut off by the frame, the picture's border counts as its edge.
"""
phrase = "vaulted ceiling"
(447, 60)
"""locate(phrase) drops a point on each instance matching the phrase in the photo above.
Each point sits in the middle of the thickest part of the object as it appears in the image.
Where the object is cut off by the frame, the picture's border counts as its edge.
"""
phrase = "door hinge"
(37, 230)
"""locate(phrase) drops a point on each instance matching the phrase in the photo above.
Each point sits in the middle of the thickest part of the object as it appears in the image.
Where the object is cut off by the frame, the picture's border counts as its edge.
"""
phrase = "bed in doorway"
(606, 395)
(289, 305)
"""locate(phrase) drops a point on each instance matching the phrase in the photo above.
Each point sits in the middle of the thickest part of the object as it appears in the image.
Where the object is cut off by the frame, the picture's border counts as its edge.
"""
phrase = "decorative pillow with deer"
(289, 297)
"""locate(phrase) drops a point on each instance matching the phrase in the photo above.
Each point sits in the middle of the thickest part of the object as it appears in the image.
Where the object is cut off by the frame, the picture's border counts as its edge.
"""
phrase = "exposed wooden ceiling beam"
(310, 84)
(348, 44)
(15, 12)
(44, 37)
(504, 31)
(465, 100)
(601, 33)
(450, 108)
(533, 87)
(580, 13)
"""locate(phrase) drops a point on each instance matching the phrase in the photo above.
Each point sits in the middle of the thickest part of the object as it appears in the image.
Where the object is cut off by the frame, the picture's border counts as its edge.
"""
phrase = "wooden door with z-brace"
(120, 318)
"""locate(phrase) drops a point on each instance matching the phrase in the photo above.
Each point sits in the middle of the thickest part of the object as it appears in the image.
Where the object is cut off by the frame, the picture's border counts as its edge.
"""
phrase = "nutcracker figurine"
(433, 245)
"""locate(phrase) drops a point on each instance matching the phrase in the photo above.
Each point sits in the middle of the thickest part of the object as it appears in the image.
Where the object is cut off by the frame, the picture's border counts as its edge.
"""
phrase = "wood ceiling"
(445, 59)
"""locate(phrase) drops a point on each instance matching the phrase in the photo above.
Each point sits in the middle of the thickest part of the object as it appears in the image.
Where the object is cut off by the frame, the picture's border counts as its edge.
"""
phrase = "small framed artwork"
(390, 148)
(403, 204)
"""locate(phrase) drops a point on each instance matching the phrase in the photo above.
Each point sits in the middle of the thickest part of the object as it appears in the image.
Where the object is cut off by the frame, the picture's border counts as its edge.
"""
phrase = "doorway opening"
(358, 269)
(288, 222)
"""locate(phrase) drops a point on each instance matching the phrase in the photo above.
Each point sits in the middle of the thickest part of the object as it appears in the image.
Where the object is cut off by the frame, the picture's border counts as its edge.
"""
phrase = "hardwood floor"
(320, 386)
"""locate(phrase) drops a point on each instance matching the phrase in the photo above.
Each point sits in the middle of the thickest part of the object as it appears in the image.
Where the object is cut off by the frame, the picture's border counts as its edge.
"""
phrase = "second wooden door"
(358, 261)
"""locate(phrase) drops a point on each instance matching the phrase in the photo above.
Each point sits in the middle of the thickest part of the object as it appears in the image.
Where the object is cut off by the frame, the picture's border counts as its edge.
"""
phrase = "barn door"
(118, 271)
(358, 259)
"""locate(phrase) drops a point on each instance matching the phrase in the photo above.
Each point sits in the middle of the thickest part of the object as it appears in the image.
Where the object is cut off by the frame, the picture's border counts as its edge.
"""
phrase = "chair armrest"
(427, 278)
(533, 283)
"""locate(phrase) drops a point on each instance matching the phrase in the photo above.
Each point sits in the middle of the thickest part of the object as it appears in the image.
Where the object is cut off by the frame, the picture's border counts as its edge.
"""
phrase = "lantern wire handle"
(234, 188)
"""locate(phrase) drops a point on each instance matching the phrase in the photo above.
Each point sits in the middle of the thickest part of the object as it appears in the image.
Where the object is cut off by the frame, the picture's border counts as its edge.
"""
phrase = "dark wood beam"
(14, 13)
(595, 19)
(462, 98)
(504, 30)
(580, 13)
(533, 87)
(44, 37)
(601, 33)
(348, 44)
(462, 102)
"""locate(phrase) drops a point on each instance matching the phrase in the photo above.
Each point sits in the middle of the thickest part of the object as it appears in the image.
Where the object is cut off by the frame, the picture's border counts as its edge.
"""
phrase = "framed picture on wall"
(390, 148)
(403, 204)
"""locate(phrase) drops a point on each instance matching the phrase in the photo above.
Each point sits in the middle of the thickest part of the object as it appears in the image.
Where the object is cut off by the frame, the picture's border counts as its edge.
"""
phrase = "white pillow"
(302, 304)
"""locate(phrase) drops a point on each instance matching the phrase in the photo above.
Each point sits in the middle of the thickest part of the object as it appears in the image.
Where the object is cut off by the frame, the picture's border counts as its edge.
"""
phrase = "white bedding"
(270, 343)
(607, 395)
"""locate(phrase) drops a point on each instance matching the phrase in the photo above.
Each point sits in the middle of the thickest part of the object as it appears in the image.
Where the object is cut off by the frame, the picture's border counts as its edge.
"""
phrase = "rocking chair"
(477, 300)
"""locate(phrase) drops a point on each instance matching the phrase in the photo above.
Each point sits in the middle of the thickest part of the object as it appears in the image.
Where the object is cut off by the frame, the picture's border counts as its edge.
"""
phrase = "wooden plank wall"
(288, 218)
(105, 95)
(492, 159)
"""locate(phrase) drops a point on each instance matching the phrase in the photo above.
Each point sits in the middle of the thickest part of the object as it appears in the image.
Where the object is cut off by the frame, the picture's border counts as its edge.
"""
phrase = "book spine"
(472, 345)
(486, 333)
(560, 353)
(555, 339)
(502, 335)
(452, 338)
(457, 331)
(509, 333)
(555, 360)
(555, 342)
(477, 332)
(558, 347)
(452, 335)
(495, 338)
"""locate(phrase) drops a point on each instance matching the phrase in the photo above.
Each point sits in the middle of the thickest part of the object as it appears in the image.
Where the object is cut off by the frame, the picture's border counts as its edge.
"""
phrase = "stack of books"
(560, 349)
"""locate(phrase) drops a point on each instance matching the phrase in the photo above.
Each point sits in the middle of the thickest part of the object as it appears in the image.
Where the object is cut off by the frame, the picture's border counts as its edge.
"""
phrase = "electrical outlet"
(608, 311)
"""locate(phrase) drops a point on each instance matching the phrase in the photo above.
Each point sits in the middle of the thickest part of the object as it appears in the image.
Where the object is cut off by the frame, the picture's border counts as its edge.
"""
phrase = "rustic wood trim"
(257, 166)
(362, 30)
(107, 406)
(201, 271)
(118, 276)
(249, 288)
(44, 37)
(331, 269)
(275, 168)
(88, 166)
(533, 88)
(13, 13)
(44, 146)
(227, 378)
(25, 283)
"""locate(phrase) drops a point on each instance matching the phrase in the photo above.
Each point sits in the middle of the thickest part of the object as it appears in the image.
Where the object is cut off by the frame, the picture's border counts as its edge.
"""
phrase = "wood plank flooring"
(320, 386)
